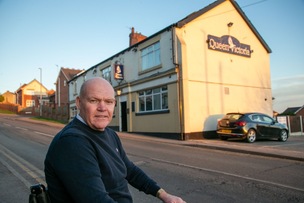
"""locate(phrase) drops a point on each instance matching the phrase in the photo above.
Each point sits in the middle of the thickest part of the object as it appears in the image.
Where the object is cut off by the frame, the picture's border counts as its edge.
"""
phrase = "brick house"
(28, 95)
(9, 97)
(62, 89)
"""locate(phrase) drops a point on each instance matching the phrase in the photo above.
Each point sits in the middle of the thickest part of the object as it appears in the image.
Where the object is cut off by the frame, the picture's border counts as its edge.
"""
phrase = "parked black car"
(251, 126)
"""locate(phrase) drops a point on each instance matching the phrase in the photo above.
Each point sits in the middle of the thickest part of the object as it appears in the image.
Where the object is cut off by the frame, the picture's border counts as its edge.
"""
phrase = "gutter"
(178, 70)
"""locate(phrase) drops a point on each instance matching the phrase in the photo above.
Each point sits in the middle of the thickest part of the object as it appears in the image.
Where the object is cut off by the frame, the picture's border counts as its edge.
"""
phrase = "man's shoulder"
(110, 130)
(74, 128)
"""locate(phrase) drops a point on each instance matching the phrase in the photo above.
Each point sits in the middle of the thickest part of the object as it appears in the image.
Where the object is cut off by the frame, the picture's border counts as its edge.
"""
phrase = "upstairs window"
(153, 99)
(150, 56)
(106, 73)
(30, 92)
(75, 87)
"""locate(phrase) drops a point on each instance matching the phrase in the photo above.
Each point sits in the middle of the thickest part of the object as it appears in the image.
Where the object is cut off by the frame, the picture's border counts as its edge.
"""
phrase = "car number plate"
(226, 131)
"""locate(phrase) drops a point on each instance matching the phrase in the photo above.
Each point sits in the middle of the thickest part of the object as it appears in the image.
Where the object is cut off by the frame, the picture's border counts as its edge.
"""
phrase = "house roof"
(292, 110)
(24, 85)
(7, 92)
(196, 14)
(70, 73)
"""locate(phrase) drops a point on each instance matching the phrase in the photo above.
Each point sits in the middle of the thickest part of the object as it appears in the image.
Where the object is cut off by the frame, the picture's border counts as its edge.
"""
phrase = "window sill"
(150, 69)
(152, 112)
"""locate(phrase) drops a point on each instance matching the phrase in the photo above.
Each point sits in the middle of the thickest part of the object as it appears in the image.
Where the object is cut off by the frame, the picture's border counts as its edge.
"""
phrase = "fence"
(56, 113)
(294, 123)
(9, 107)
(59, 113)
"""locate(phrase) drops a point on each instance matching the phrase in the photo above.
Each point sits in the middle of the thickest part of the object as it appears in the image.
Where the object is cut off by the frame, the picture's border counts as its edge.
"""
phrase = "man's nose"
(101, 105)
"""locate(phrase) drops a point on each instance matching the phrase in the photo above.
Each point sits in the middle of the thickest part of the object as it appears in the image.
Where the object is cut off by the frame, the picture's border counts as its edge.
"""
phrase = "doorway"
(123, 113)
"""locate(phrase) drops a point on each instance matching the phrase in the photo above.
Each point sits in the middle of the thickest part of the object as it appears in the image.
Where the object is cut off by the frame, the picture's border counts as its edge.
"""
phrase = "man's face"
(97, 105)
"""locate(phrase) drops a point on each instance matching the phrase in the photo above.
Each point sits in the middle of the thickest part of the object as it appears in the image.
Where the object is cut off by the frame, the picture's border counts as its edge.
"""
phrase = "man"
(86, 161)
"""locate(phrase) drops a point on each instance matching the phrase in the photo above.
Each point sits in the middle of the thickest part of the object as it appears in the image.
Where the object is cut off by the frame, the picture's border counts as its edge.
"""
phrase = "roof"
(194, 15)
(292, 110)
(7, 92)
(70, 73)
(24, 85)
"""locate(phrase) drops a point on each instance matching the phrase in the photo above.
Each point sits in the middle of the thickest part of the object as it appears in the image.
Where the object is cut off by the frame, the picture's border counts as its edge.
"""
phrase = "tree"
(1, 98)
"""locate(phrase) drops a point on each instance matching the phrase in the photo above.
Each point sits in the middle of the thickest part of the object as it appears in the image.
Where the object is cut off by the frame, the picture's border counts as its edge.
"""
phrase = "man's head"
(96, 103)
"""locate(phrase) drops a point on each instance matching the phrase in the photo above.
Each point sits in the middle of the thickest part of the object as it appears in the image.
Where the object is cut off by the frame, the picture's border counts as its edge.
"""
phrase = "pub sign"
(228, 44)
(118, 72)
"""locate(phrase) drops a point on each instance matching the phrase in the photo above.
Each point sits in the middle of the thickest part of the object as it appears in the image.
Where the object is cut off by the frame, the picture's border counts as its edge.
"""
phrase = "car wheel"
(251, 136)
(283, 136)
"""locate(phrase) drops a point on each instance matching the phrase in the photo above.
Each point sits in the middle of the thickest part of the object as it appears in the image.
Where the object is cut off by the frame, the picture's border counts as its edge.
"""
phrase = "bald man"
(86, 161)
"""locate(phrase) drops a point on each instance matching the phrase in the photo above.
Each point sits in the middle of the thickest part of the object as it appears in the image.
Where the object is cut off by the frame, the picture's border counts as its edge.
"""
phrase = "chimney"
(135, 37)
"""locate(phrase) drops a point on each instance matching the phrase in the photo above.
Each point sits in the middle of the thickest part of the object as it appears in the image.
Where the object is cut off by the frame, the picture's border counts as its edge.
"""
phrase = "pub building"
(179, 81)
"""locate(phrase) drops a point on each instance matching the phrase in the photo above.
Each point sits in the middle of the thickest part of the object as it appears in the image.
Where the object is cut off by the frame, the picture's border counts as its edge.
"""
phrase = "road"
(196, 174)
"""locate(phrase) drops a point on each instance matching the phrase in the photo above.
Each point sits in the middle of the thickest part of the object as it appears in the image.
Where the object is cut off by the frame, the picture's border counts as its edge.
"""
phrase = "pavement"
(292, 149)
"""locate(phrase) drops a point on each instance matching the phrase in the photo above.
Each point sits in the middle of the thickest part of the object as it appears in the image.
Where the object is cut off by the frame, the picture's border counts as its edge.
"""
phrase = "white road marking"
(229, 174)
(27, 167)
(47, 135)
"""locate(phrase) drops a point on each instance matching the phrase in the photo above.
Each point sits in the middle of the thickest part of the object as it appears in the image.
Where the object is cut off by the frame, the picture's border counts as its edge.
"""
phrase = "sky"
(79, 34)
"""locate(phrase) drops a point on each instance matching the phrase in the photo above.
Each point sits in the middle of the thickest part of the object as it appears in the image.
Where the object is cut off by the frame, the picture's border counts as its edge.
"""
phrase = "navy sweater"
(84, 165)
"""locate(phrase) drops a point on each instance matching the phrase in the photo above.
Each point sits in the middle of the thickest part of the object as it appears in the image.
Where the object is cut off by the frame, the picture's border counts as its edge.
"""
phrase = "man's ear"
(77, 102)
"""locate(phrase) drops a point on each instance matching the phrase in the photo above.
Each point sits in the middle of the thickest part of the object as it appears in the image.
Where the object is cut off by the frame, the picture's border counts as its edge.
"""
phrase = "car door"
(271, 130)
(261, 126)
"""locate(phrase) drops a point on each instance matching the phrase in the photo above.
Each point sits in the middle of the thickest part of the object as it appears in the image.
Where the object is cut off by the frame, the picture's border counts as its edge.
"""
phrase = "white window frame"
(106, 73)
(153, 100)
(150, 56)
(30, 103)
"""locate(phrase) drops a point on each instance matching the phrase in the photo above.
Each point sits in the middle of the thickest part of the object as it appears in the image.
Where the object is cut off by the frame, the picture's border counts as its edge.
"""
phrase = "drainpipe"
(179, 82)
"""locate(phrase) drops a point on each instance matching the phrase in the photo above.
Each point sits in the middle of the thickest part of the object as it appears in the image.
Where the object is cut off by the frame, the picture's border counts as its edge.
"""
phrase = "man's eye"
(109, 101)
(93, 101)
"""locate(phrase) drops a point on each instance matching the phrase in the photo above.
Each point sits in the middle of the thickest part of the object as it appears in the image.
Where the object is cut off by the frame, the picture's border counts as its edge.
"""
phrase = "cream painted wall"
(207, 74)
(165, 123)
(34, 87)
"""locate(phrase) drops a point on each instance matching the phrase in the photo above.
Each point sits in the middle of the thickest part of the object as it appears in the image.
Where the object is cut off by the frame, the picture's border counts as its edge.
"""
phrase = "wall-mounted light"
(118, 92)
(230, 24)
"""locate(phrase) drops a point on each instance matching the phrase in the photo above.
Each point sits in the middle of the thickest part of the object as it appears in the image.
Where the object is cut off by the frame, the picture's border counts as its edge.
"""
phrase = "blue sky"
(79, 34)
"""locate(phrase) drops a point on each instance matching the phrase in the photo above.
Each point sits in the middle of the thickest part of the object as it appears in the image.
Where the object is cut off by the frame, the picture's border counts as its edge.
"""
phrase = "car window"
(256, 118)
(267, 119)
(233, 116)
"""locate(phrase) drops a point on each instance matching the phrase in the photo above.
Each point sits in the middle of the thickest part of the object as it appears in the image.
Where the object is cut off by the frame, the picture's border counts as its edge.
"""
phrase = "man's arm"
(168, 198)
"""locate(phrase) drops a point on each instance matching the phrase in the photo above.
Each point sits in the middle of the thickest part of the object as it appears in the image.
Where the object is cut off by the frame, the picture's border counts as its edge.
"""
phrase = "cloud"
(288, 92)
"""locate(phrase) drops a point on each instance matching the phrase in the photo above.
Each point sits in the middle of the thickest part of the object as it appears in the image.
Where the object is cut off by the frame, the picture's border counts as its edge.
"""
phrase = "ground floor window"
(73, 112)
(30, 103)
(153, 99)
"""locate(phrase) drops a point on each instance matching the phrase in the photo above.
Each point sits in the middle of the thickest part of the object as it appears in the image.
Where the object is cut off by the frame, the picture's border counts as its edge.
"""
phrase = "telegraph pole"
(40, 102)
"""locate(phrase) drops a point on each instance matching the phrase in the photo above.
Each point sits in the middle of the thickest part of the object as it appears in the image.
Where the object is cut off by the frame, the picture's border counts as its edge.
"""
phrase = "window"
(106, 73)
(30, 103)
(267, 119)
(150, 56)
(29, 92)
(73, 112)
(75, 87)
(153, 99)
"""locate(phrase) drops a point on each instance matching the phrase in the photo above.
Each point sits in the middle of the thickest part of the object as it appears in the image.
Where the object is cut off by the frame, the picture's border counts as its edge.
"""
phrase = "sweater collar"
(81, 119)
